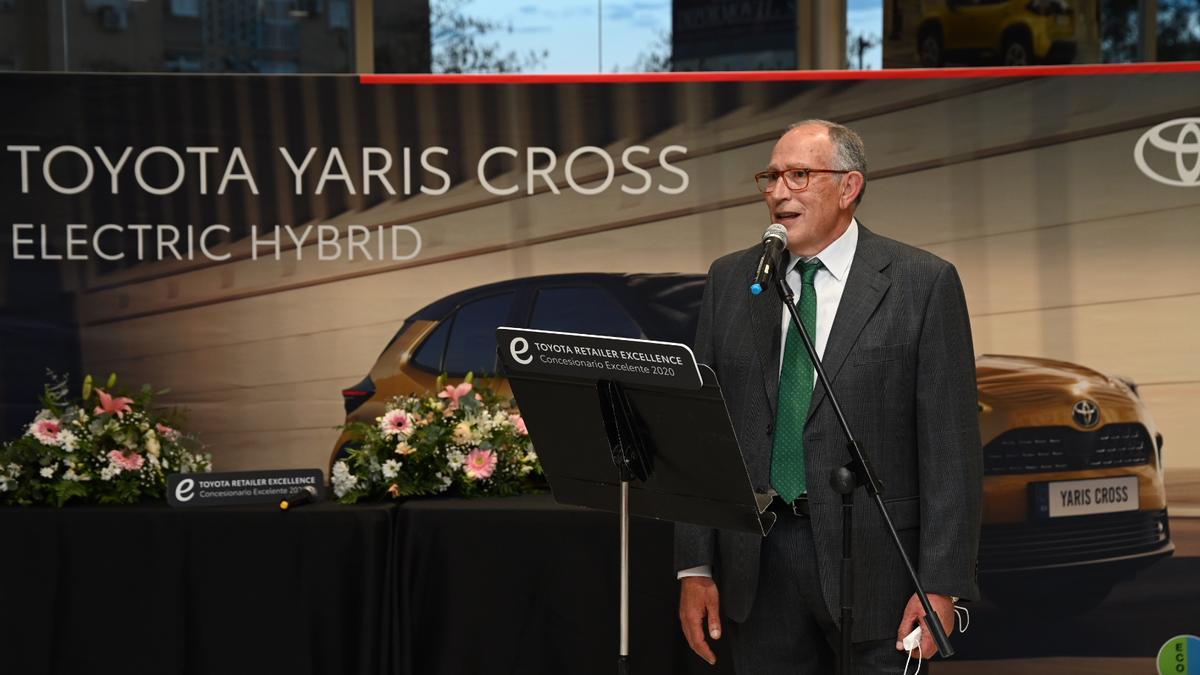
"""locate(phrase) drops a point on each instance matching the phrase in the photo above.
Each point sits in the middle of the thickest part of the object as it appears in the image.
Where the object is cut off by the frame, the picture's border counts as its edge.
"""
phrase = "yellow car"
(1013, 32)
(1073, 481)
(457, 334)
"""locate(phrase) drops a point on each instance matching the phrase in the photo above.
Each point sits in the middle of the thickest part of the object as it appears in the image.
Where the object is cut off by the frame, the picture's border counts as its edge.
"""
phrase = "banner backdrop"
(255, 243)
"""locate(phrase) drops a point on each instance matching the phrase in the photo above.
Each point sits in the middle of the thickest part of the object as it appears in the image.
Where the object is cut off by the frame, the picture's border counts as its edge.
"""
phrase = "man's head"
(819, 213)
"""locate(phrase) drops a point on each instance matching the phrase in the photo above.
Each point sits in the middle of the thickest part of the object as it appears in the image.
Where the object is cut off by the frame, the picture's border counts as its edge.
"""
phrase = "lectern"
(632, 426)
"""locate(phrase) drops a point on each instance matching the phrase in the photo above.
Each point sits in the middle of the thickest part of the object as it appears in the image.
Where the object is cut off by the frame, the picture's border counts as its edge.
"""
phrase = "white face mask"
(912, 641)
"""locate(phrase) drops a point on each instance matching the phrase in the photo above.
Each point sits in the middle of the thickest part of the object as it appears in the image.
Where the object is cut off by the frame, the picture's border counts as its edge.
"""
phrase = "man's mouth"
(781, 216)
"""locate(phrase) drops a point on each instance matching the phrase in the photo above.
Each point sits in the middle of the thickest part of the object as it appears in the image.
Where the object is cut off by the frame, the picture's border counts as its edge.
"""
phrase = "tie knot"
(808, 270)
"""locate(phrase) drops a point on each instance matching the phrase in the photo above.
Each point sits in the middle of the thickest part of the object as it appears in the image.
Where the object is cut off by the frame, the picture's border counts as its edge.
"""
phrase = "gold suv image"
(1073, 492)
(1010, 32)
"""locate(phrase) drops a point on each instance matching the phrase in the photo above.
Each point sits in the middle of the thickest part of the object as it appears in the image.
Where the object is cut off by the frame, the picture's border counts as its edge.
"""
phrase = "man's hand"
(913, 612)
(700, 612)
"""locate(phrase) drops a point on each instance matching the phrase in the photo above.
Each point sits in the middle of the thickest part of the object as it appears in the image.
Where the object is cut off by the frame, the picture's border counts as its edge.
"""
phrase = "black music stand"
(632, 426)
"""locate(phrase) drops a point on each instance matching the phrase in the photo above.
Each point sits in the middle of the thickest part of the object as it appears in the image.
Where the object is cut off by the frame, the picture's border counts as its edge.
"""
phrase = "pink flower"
(480, 464)
(167, 432)
(518, 422)
(394, 490)
(131, 461)
(396, 423)
(454, 393)
(112, 405)
(47, 431)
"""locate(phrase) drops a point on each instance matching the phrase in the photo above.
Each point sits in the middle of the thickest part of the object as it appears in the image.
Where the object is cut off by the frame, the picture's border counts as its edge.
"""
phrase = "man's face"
(816, 216)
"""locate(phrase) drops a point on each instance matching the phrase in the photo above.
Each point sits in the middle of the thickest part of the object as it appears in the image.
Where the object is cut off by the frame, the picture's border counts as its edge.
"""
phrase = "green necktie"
(795, 393)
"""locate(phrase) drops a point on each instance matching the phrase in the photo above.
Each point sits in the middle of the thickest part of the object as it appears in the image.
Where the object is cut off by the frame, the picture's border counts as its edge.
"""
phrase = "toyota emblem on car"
(1086, 413)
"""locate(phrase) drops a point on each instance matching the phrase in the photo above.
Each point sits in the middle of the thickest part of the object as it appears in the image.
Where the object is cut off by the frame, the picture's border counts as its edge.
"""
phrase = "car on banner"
(1013, 32)
(456, 335)
(1073, 490)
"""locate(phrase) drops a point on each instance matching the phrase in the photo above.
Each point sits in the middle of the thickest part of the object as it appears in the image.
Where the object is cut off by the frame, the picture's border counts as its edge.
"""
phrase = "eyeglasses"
(795, 179)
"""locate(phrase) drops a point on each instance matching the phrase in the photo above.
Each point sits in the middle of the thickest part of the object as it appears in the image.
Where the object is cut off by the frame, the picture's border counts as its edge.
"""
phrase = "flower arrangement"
(103, 448)
(465, 441)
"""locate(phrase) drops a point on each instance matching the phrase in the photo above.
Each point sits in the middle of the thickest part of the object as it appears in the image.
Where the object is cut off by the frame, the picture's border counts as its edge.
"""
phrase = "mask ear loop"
(963, 623)
(920, 657)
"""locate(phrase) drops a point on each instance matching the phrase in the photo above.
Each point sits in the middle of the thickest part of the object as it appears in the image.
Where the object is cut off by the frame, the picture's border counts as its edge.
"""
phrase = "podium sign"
(603, 411)
(592, 357)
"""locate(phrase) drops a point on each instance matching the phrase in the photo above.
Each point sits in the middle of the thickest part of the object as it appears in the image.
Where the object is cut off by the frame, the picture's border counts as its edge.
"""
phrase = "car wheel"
(1017, 51)
(930, 48)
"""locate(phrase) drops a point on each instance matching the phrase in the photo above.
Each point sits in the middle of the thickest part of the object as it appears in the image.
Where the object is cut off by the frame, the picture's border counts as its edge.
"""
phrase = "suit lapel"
(864, 291)
(766, 311)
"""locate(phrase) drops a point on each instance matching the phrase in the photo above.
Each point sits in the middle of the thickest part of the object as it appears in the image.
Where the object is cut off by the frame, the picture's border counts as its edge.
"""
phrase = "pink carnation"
(128, 462)
(396, 423)
(47, 431)
(518, 422)
(480, 464)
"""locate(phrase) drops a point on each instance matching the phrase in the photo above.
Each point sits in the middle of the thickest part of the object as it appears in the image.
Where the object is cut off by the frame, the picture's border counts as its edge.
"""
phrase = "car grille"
(1062, 541)
(1040, 449)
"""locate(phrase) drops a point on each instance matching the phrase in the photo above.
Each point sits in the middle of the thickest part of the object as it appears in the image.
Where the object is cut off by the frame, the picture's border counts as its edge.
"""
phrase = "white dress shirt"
(829, 283)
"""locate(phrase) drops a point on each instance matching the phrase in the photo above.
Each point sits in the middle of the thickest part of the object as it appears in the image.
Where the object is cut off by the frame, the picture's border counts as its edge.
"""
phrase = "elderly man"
(890, 324)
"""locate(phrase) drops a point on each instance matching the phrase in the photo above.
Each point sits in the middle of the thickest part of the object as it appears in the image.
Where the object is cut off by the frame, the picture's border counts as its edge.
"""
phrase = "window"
(472, 343)
(582, 309)
(429, 354)
(186, 8)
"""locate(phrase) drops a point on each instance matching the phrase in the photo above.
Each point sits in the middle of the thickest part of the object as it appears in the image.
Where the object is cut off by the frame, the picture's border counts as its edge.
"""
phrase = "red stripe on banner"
(787, 75)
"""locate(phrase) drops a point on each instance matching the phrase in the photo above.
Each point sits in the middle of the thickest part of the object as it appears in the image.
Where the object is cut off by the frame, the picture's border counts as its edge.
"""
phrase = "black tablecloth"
(228, 590)
(455, 587)
(521, 585)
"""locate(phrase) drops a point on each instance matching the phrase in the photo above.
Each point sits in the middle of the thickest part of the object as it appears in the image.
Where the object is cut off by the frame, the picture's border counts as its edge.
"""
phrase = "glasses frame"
(786, 181)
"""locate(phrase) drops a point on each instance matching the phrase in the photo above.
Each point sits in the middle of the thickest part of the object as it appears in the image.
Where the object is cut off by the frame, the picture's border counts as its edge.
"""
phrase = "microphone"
(300, 497)
(774, 241)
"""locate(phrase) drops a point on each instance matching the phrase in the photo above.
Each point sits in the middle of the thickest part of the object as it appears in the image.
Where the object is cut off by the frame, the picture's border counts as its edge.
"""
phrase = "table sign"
(241, 487)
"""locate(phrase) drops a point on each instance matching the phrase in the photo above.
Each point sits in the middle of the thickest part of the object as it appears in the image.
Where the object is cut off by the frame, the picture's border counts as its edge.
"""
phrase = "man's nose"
(779, 190)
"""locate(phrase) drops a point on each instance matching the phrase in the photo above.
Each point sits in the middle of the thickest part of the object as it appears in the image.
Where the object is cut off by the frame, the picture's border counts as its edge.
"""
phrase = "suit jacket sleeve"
(949, 455)
(695, 544)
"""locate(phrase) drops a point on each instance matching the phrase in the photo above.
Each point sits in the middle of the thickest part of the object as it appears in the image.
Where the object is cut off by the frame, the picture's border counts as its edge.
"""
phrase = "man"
(890, 324)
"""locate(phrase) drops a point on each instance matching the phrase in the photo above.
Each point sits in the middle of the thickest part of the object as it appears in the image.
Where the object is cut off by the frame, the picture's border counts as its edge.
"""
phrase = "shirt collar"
(837, 256)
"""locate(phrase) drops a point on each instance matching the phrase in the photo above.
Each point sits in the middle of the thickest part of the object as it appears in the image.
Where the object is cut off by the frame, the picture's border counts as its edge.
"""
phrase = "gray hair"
(849, 151)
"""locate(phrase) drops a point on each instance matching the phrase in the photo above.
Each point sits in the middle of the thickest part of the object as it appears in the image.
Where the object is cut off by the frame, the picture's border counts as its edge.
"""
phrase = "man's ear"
(851, 188)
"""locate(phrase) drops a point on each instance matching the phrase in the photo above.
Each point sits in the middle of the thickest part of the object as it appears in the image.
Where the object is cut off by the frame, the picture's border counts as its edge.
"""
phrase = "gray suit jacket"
(902, 364)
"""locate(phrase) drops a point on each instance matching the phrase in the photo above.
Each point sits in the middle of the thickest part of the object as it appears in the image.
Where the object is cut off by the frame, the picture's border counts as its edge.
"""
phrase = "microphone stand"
(844, 480)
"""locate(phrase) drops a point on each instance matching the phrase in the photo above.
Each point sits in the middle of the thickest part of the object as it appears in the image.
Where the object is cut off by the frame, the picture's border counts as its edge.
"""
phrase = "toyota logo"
(1086, 413)
(1184, 145)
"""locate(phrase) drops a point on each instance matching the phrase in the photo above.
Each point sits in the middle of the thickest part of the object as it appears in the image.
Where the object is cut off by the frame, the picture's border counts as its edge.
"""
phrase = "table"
(513, 586)
(155, 590)
(523, 585)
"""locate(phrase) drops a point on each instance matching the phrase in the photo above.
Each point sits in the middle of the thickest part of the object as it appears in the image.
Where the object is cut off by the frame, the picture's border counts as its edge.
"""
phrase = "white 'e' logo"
(518, 348)
(183, 491)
